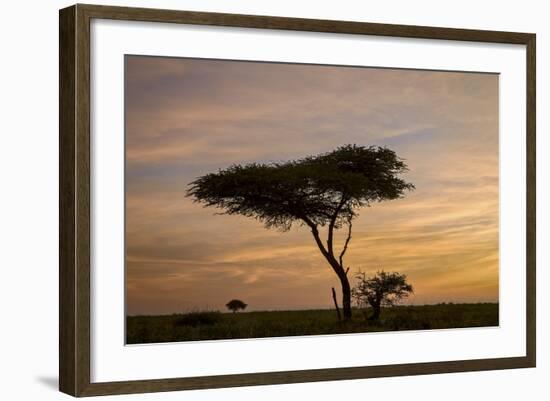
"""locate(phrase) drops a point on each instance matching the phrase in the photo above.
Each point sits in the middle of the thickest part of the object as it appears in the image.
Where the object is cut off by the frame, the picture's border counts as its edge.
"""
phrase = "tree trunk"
(336, 304)
(346, 296)
(375, 312)
(337, 267)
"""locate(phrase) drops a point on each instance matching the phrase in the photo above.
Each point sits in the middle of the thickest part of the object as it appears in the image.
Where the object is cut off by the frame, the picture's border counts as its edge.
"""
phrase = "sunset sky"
(189, 117)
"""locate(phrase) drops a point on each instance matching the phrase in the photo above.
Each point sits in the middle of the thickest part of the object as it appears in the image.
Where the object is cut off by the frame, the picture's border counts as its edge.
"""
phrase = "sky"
(189, 117)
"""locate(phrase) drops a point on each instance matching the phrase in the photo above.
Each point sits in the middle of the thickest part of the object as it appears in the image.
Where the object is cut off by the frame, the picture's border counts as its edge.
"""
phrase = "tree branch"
(324, 251)
(338, 269)
(341, 258)
(330, 238)
(315, 232)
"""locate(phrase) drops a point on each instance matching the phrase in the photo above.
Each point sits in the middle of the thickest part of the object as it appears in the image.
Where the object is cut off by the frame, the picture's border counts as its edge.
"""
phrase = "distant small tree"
(235, 305)
(382, 289)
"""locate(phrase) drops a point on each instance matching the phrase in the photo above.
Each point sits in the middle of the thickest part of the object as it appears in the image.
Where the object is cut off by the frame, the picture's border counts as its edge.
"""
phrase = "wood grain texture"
(74, 199)
(301, 376)
(67, 177)
(301, 24)
(531, 240)
(82, 193)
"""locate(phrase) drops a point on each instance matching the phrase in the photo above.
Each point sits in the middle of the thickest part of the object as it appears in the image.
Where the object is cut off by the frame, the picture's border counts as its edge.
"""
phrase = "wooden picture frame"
(74, 204)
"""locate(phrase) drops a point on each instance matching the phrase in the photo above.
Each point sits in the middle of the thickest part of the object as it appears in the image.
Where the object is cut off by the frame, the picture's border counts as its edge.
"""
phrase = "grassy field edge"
(213, 325)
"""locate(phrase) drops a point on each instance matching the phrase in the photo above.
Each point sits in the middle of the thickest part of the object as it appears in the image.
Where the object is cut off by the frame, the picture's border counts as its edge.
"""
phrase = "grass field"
(215, 325)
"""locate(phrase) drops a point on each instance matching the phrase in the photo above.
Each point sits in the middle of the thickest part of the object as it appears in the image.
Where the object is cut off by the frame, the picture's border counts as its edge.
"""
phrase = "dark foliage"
(235, 305)
(382, 289)
(313, 190)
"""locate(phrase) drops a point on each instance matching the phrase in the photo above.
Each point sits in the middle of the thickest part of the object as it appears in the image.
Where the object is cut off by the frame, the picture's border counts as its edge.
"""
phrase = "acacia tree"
(326, 190)
(236, 304)
(382, 289)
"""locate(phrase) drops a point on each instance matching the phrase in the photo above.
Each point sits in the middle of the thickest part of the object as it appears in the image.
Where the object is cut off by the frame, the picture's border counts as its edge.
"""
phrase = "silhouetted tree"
(235, 305)
(317, 191)
(382, 289)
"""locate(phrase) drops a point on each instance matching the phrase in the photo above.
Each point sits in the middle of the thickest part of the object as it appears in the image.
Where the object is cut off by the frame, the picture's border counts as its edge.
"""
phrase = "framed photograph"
(250, 200)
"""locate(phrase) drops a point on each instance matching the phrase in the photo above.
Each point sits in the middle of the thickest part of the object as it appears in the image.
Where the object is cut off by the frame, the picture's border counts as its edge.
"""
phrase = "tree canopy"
(236, 304)
(315, 190)
(382, 289)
